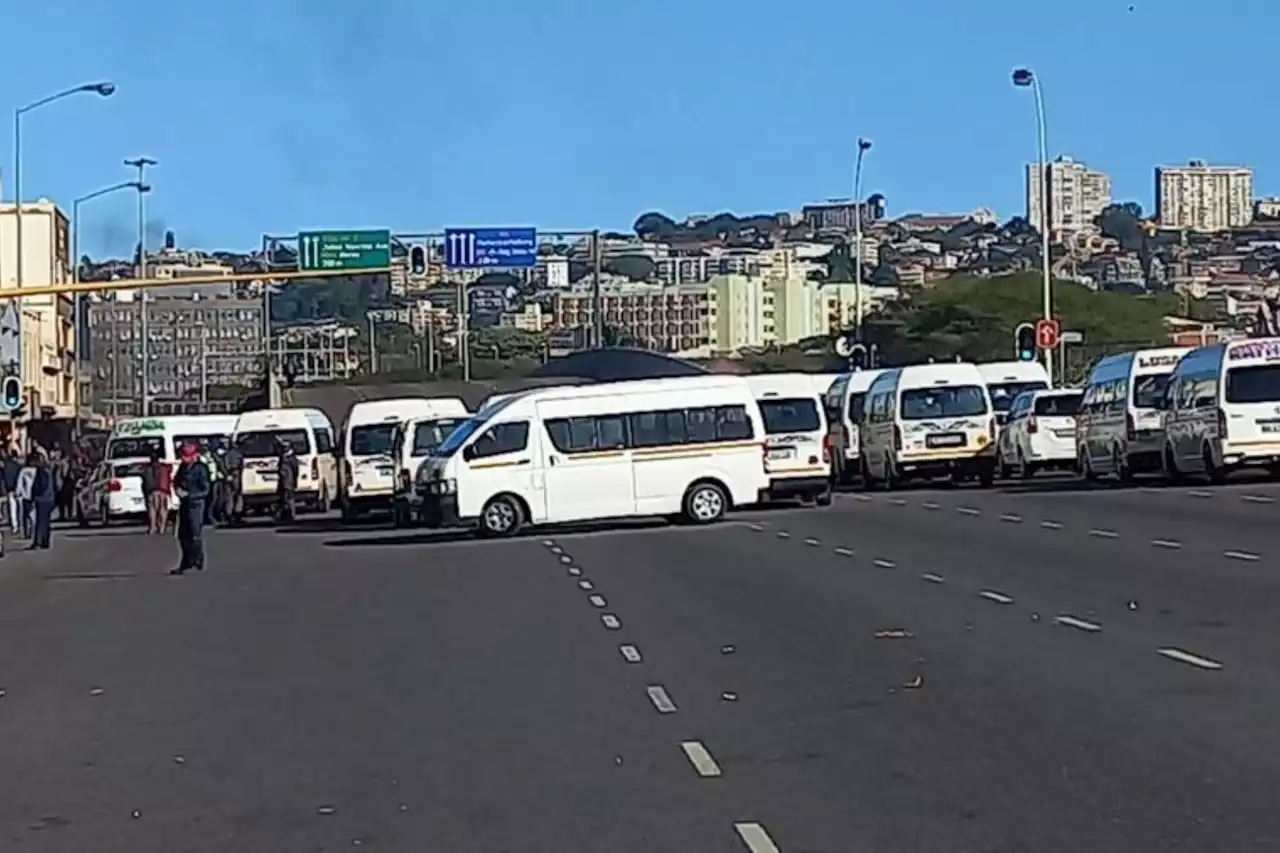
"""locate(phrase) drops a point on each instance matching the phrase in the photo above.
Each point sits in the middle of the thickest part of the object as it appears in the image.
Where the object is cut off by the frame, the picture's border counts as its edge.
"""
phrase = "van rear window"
(265, 444)
(1059, 404)
(790, 415)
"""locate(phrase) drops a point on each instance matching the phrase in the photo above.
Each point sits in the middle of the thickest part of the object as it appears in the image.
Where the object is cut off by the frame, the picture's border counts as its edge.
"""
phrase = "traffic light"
(1024, 342)
(418, 260)
(858, 357)
(12, 393)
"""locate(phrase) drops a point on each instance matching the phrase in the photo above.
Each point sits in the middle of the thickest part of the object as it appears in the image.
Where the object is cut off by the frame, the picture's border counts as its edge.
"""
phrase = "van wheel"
(349, 513)
(864, 474)
(1212, 472)
(1171, 469)
(891, 478)
(1086, 467)
(1003, 469)
(1026, 470)
(501, 517)
(705, 503)
(1121, 466)
(987, 476)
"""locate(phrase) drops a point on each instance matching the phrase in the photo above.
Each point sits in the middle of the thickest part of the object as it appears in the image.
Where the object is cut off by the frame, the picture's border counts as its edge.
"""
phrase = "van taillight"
(897, 439)
(114, 486)
(1222, 424)
(826, 449)
(1130, 428)
(1032, 426)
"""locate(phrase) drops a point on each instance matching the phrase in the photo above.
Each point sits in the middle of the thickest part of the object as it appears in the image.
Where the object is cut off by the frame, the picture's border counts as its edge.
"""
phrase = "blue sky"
(280, 115)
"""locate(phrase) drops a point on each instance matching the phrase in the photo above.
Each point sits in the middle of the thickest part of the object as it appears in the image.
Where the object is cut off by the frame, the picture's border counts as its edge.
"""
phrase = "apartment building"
(1077, 194)
(670, 319)
(1200, 197)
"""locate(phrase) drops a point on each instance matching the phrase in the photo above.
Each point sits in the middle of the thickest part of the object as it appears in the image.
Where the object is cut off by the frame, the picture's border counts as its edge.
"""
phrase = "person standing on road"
(215, 478)
(191, 485)
(157, 483)
(286, 482)
(232, 484)
(12, 467)
(44, 496)
(26, 478)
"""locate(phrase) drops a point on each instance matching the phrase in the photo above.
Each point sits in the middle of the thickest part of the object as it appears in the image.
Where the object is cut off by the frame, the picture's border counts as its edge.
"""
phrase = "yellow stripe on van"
(479, 465)
(646, 454)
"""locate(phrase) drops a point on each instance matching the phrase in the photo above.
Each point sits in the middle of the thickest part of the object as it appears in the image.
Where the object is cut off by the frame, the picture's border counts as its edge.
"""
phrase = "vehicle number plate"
(782, 453)
(951, 439)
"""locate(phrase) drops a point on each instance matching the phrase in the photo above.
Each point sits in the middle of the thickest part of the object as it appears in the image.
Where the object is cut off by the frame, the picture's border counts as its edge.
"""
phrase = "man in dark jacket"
(233, 484)
(191, 484)
(12, 465)
(286, 482)
(44, 496)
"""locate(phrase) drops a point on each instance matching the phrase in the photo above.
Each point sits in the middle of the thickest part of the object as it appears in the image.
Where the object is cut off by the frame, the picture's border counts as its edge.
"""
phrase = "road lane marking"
(566, 559)
(700, 757)
(1187, 657)
(1080, 624)
(844, 552)
(782, 534)
(898, 501)
(812, 543)
(556, 549)
(756, 838)
(1166, 543)
(756, 527)
(1103, 533)
(586, 585)
(1051, 525)
(598, 601)
(1257, 499)
(550, 543)
(611, 622)
(1241, 555)
(968, 510)
(932, 578)
(630, 652)
(863, 498)
(997, 597)
(884, 564)
(1011, 517)
(931, 505)
(661, 699)
(574, 571)
(1200, 493)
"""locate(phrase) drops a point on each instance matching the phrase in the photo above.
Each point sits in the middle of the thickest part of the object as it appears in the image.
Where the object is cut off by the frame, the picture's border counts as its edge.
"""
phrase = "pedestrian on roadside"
(12, 466)
(191, 485)
(233, 484)
(157, 483)
(286, 483)
(43, 498)
(26, 478)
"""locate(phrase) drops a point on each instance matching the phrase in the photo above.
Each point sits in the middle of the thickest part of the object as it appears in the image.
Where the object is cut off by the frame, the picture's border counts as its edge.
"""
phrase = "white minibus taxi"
(259, 435)
(843, 402)
(369, 461)
(114, 489)
(1120, 429)
(928, 420)
(1222, 410)
(687, 446)
(415, 441)
(1007, 379)
(798, 455)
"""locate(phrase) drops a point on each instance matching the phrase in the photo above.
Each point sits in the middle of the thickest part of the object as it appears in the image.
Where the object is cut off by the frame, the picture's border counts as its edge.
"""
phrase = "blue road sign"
(480, 248)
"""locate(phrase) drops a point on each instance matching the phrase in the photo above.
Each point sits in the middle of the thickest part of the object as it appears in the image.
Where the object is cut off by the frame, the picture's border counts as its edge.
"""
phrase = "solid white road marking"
(574, 571)
(661, 699)
(1241, 555)
(1073, 622)
(1103, 533)
(782, 534)
(630, 652)
(812, 543)
(1257, 499)
(1187, 657)
(1012, 517)
(932, 578)
(844, 552)
(597, 601)
(884, 564)
(968, 510)
(931, 505)
(1200, 494)
(997, 597)
(586, 585)
(756, 838)
(700, 757)
(1051, 525)
(611, 622)
(1166, 543)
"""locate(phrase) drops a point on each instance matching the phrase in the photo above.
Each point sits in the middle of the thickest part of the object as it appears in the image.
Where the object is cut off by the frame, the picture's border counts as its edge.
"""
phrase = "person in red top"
(157, 484)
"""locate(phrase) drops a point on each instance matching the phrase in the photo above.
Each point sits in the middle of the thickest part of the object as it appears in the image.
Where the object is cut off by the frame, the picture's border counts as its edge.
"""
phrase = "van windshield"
(956, 401)
(1148, 391)
(1003, 393)
(1258, 384)
(429, 435)
(790, 415)
(135, 448)
(262, 444)
(373, 439)
(459, 436)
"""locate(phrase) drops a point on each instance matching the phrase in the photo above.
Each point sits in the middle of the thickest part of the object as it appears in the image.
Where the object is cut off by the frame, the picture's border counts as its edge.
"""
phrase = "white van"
(1120, 429)
(1007, 379)
(258, 436)
(1222, 410)
(686, 446)
(798, 458)
(928, 420)
(114, 489)
(415, 441)
(369, 464)
(843, 402)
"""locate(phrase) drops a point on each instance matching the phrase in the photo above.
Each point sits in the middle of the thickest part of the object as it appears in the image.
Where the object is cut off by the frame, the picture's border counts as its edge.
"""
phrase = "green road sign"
(343, 250)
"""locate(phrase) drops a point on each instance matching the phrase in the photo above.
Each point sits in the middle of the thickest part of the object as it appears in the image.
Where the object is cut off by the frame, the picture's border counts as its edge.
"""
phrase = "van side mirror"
(468, 453)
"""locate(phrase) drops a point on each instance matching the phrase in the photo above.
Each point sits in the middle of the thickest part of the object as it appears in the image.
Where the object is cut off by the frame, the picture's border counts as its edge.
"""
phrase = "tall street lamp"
(141, 164)
(1026, 78)
(864, 145)
(75, 279)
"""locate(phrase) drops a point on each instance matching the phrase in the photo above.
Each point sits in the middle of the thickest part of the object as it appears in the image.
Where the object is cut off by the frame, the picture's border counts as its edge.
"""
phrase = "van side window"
(732, 424)
(701, 424)
(324, 441)
(580, 435)
(501, 438)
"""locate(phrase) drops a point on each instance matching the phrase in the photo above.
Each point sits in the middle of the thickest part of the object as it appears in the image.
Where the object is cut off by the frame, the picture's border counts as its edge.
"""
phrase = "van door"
(587, 468)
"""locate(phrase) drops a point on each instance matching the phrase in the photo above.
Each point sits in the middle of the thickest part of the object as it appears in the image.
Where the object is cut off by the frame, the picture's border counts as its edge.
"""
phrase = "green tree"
(631, 267)
(1123, 222)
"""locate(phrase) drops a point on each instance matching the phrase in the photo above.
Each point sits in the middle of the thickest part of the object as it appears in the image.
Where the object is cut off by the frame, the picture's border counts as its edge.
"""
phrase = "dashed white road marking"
(1165, 543)
(630, 652)
(863, 498)
(661, 699)
(968, 510)
(611, 622)
(898, 501)
(1103, 533)
(700, 757)
(550, 543)
(566, 559)
(597, 601)
(931, 505)
(756, 838)
(1187, 657)
(884, 564)
(556, 549)
(756, 527)
(1200, 493)
(844, 552)
(1241, 555)
(1257, 499)
(997, 597)
(932, 578)
(782, 534)
(1079, 624)
(574, 571)
(586, 585)
(812, 543)
(1011, 517)
(1051, 525)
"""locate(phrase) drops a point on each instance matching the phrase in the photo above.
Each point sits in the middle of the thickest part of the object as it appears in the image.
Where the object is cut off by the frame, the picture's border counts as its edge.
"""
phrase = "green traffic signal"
(418, 260)
(1024, 342)
(12, 393)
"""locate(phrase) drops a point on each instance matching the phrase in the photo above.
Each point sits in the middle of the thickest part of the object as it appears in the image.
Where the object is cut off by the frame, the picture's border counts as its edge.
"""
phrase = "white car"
(1040, 433)
(112, 492)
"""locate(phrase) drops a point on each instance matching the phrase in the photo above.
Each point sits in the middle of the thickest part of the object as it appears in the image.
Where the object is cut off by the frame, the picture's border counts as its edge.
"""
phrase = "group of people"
(35, 488)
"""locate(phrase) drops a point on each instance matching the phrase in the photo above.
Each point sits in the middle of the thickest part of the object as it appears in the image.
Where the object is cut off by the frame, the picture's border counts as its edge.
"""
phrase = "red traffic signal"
(1047, 334)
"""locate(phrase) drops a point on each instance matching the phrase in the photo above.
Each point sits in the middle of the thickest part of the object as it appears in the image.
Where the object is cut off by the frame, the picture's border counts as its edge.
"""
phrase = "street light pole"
(141, 164)
(864, 145)
(75, 279)
(1025, 77)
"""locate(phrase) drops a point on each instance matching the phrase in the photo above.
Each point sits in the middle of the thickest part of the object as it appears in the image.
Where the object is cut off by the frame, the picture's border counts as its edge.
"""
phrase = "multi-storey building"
(671, 319)
(192, 343)
(1077, 194)
(1200, 197)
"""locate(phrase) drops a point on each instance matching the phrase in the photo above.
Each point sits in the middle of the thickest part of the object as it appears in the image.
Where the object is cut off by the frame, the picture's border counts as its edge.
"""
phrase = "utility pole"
(141, 164)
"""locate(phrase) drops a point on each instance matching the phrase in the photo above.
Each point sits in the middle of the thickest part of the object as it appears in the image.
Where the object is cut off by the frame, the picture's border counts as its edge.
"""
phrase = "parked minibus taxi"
(798, 446)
